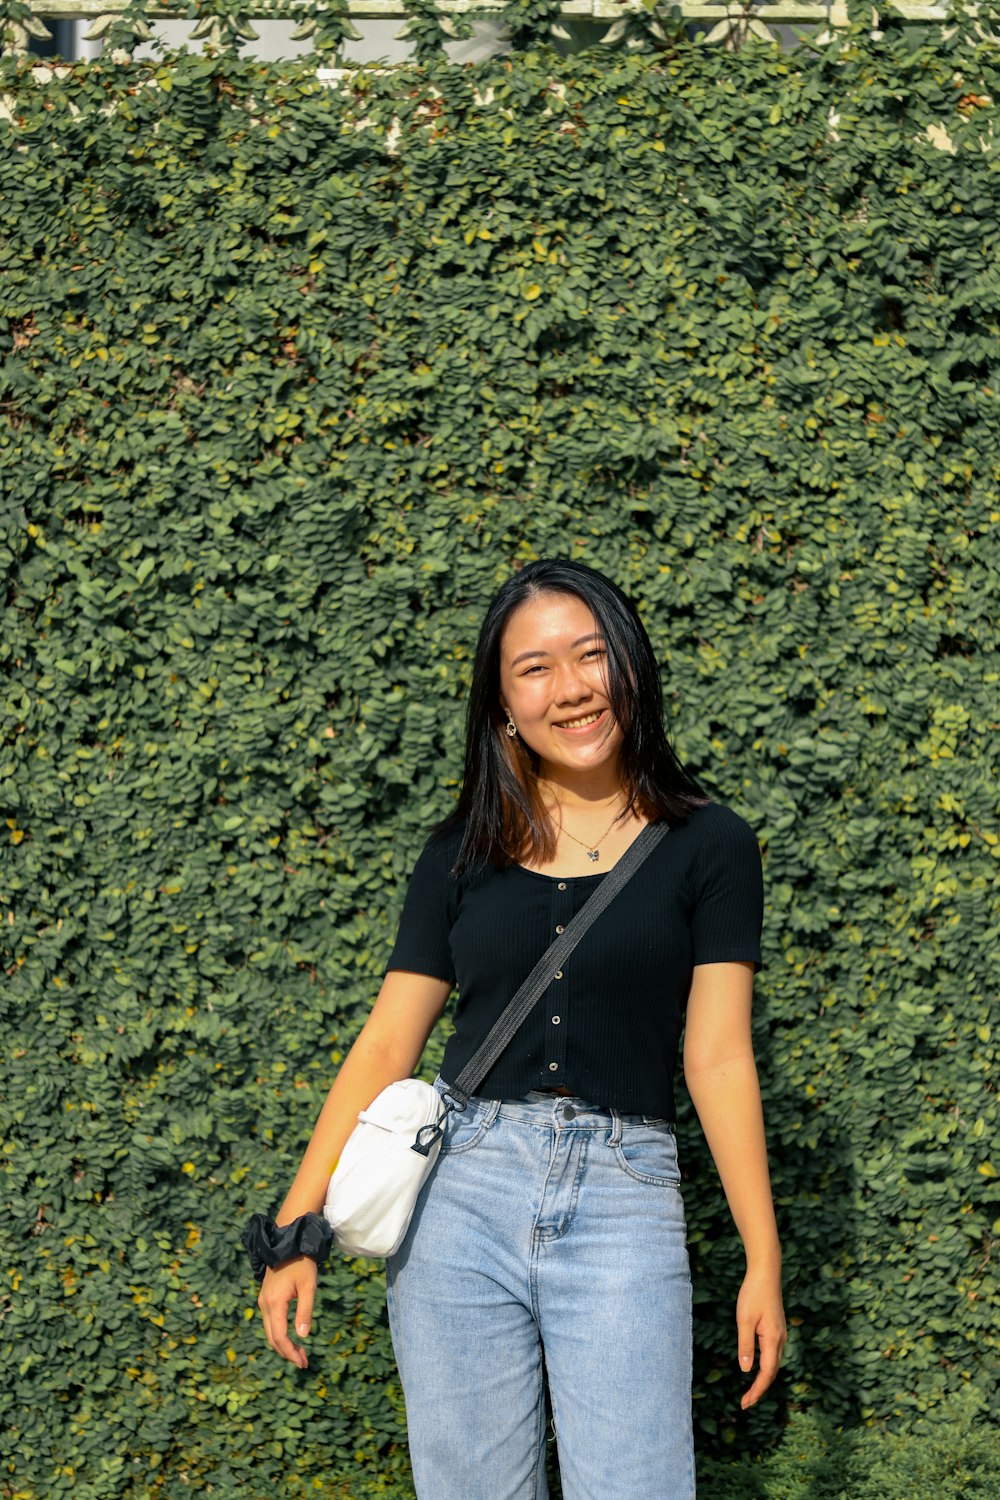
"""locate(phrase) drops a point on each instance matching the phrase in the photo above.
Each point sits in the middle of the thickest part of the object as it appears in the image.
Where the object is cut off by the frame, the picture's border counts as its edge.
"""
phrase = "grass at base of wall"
(949, 1460)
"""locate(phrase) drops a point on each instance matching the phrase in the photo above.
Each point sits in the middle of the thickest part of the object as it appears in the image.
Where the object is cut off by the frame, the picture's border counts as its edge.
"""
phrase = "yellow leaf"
(532, 291)
(986, 1169)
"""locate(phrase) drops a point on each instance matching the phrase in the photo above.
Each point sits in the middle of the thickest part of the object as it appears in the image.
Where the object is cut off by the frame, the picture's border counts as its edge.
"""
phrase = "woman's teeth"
(580, 723)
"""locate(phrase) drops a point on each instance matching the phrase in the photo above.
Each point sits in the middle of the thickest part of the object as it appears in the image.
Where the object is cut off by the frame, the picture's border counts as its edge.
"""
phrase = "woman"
(549, 1240)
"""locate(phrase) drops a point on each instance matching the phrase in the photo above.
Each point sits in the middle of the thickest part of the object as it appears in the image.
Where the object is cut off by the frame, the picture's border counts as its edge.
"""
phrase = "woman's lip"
(581, 728)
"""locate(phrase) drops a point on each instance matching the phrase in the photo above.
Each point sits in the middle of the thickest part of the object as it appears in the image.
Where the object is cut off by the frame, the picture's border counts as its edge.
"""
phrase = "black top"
(609, 1028)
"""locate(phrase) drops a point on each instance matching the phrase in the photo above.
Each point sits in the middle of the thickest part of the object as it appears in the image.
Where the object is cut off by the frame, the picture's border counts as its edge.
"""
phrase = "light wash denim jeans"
(547, 1224)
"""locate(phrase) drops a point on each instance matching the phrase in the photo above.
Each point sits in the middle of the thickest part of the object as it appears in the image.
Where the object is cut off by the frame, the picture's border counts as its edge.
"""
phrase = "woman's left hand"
(760, 1320)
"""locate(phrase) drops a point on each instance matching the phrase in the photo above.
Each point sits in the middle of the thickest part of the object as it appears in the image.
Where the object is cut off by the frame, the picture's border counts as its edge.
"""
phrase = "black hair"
(500, 800)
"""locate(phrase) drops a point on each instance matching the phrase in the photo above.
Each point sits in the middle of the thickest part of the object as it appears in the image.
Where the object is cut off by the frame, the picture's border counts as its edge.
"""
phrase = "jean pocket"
(648, 1153)
(463, 1130)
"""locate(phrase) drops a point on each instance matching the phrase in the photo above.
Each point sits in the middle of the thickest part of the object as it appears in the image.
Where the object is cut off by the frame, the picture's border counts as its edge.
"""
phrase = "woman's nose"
(571, 686)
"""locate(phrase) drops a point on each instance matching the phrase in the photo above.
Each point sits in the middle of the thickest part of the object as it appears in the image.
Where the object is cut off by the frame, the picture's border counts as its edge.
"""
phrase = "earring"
(511, 726)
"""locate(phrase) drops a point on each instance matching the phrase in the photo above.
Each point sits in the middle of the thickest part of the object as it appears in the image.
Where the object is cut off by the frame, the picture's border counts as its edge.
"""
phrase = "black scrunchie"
(267, 1245)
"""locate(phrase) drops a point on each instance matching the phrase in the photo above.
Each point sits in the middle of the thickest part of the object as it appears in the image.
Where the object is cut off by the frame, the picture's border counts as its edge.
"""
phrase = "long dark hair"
(500, 800)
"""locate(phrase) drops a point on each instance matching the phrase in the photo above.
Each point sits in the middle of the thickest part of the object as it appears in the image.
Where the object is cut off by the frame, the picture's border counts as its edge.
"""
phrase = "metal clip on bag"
(392, 1149)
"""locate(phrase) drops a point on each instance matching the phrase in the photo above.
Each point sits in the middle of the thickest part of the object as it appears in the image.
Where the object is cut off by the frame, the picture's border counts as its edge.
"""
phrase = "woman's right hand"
(294, 1281)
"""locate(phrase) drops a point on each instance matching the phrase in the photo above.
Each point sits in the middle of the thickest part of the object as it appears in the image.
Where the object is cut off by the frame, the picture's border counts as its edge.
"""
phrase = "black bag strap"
(537, 982)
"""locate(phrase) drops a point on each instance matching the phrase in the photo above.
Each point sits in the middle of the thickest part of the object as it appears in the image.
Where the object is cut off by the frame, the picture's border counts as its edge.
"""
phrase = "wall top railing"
(213, 20)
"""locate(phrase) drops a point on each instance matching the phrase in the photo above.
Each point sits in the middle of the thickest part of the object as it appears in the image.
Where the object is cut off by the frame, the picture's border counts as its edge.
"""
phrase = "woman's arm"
(387, 1048)
(721, 1077)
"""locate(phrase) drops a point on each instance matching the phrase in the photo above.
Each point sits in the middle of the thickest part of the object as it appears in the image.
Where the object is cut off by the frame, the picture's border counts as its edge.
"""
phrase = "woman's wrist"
(292, 1209)
(763, 1259)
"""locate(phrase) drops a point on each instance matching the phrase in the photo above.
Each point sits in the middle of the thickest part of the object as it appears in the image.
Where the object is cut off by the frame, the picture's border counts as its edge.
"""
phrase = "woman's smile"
(581, 723)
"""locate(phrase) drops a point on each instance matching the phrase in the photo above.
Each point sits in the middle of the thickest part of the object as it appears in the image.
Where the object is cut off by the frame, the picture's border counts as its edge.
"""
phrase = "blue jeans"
(547, 1224)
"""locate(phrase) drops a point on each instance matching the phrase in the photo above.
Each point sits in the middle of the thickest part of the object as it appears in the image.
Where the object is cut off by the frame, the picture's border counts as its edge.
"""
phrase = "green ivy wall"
(292, 377)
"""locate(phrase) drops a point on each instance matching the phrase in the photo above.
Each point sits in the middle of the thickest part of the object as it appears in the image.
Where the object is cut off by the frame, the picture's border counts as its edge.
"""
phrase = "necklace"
(593, 852)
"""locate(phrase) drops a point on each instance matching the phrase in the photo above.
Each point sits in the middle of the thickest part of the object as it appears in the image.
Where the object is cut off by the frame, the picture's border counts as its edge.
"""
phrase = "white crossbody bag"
(392, 1149)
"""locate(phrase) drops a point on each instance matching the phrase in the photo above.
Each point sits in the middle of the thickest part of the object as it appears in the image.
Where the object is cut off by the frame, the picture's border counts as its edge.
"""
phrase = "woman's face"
(553, 684)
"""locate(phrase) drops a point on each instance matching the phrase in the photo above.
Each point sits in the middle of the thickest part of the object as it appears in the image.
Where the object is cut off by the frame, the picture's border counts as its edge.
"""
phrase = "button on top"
(556, 1020)
(553, 1067)
(560, 928)
(569, 1113)
(562, 885)
(557, 974)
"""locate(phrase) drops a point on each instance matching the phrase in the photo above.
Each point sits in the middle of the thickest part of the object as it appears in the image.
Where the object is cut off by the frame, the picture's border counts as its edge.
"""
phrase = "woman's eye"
(540, 666)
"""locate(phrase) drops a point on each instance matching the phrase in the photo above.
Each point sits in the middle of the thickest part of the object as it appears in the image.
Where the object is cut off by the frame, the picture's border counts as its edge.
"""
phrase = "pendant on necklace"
(593, 853)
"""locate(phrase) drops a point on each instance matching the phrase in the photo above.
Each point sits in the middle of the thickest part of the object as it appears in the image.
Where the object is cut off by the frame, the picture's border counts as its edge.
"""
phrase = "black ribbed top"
(609, 1028)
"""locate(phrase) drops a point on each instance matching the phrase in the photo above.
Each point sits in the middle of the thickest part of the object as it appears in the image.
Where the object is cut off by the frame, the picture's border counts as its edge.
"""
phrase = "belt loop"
(614, 1139)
